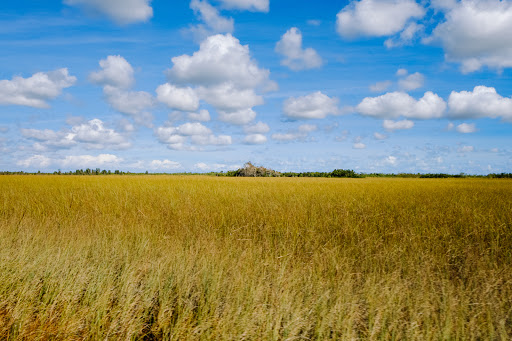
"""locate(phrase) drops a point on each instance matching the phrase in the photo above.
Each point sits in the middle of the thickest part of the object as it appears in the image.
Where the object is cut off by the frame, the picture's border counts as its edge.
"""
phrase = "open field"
(171, 257)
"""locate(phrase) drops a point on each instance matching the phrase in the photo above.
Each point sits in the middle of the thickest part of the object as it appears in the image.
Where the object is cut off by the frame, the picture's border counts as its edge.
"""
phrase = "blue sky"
(196, 86)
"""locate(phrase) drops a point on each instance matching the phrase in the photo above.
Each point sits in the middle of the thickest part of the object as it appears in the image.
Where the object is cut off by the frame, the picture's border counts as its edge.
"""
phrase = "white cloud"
(358, 144)
(255, 139)
(466, 128)
(35, 90)
(90, 161)
(211, 140)
(313, 106)
(297, 58)
(401, 72)
(240, 117)
(91, 134)
(71, 161)
(132, 103)
(379, 136)
(204, 167)
(406, 37)
(249, 5)
(396, 104)
(95, 135)
(314, 22)
(476, 33)
(390, 160)
(301, 133)
(121, 11)
(189, 129)
(412, 82)
(220, 59)
(180, 137)
(227, 97)
(115, 71)
(116, 76)
(213, 21)
(380, 86)
(258, 128)
(225, 76)
(203, 116)
(184, 99)
(397, 125)
(126, 125)
(376, 18)
(307, 128)
(481, 102)
(35, 162)
(164, 164)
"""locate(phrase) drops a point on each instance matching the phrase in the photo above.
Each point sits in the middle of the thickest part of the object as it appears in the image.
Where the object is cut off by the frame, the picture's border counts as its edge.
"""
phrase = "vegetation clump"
(251, 170)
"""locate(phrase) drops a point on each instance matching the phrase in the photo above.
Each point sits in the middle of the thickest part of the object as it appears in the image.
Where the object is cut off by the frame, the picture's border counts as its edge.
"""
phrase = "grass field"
(171, 257)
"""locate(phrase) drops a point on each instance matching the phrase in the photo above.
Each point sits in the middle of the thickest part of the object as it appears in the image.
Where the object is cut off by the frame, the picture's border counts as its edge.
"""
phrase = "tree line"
(249, 170)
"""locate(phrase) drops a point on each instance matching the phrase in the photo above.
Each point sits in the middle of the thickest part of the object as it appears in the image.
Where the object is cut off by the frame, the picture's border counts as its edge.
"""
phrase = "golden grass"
(185, 258)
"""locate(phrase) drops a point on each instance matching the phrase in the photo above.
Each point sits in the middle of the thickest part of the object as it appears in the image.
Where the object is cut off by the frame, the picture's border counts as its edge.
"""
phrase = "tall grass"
(185, 258)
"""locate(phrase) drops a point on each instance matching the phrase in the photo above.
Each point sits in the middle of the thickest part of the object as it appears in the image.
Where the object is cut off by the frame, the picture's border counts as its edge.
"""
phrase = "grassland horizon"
(198, 257)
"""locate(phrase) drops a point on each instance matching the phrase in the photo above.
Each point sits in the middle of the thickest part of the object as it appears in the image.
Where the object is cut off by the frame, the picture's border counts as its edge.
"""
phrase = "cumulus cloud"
(313, 106)
(301, 133)
(71, 161)
(227, 97)
(115, 71)
(396, 104)
(121, 11)
(358, 144)
(402, 72)
(91, 134)
(255, 139)
(466, 128)
(117, 77)
(249, 5)
(36, 90)
(204, 167)
(223, 75)
(81, 161)
(164, 164)
(184, 99)
(133, 103)
(380, 86)
(476, 33)
(213, 22)
(379, 136)
(481, 102)
(181, 137)
(412, 82)
(297, 58)
(397, 125)
(202, 115)
(35, 161)
(220, 59)
(406, 37)
(376, 18)
(390, 160)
